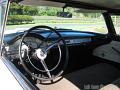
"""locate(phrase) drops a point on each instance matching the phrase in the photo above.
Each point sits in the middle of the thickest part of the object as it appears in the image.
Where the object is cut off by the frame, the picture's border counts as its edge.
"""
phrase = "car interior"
(90, 61)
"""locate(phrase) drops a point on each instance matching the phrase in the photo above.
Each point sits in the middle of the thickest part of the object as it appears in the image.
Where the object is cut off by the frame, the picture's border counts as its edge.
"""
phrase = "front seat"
(93, 77)
(110, 87)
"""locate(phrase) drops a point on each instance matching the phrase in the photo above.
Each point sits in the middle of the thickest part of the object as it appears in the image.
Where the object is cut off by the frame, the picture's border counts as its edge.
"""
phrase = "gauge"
(32, 41)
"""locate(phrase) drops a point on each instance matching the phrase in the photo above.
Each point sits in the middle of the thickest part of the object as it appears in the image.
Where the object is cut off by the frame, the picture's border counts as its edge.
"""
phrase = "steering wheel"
(40, 54)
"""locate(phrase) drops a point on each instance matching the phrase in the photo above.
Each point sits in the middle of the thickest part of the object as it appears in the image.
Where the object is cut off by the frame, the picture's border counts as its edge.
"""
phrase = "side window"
(0, 14)
(116, 22)
(3, 5)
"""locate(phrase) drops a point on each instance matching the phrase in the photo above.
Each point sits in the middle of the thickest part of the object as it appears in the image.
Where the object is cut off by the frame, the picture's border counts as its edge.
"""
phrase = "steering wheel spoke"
(46, 68)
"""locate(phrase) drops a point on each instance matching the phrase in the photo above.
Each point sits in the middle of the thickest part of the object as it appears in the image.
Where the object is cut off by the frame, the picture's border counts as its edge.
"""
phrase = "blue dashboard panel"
(69, 34)
(77, 34)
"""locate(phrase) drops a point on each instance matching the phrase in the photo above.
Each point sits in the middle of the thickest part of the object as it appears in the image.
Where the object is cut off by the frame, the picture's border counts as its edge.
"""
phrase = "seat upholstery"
(94, 77)
(64, 84)
(110, 87)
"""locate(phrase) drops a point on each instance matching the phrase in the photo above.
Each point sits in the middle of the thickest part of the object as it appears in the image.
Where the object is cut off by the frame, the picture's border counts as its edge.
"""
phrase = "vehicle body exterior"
(24, 54)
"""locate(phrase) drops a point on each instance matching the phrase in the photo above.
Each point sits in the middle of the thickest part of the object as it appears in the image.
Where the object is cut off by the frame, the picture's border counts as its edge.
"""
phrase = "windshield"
(24, 17)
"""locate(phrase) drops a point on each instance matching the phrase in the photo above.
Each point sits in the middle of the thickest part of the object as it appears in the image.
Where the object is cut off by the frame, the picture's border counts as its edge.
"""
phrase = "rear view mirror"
(64, 14)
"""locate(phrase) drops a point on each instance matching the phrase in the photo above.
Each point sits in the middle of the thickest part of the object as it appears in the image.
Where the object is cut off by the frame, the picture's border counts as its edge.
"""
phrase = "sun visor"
(113, 4)
(42, 3)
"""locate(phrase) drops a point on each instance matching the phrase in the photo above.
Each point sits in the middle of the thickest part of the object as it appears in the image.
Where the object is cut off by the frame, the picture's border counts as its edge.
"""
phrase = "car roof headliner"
(109, 5)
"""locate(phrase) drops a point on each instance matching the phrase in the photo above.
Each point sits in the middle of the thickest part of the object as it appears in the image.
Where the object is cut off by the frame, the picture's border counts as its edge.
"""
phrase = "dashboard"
(77, 41)
(71, 38)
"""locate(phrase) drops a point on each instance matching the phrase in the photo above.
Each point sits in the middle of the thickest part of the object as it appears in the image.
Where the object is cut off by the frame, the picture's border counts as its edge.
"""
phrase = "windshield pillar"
(109, 23)
(4, 6)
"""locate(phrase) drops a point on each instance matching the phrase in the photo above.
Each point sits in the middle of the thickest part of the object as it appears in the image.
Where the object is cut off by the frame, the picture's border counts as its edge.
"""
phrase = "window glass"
(116, 22)
(24, 17)
(3, 5)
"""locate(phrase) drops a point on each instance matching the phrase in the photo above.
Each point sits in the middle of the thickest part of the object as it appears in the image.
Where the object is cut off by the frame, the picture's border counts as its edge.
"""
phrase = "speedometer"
(14, 48)
(33, 42)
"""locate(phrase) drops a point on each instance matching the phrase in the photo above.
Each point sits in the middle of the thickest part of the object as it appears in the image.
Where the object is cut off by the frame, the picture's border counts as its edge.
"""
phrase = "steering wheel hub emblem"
(41, 54)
